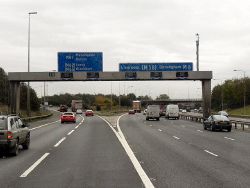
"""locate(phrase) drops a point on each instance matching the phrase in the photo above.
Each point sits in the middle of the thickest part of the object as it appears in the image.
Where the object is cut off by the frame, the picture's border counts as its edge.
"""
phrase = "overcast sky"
(128, 31)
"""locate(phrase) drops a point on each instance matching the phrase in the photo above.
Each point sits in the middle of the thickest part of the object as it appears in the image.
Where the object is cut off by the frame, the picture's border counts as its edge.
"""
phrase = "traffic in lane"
(171, 150)
(42, 139)
(91, 156)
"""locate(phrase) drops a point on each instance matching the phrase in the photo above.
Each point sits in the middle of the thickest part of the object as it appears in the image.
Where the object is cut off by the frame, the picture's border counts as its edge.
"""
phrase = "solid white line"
(229, 138)
(32, 167)
(200, 131)
(60, 141)
(176, 137)
(70, 132)
(211, 153)
(145, 179)
(80, 122)
(159, 130)
(44, 125)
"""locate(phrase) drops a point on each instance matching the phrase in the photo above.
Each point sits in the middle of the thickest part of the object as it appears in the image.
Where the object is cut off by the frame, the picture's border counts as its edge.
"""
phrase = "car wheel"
(62, 122)
(205, 127)
(229, 129)
(158, 119)
(15, 150)
(26, 145)
(147, 119)
(212, 127)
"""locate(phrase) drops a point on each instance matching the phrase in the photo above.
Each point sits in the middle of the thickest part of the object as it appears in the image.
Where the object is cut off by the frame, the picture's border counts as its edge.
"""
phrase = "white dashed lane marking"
(160, 130)
(60, 141)
(70, 132)
(177, 138)
(44, 125)
(32, 167)
(229, 138)
(211, 153)
(200, 131)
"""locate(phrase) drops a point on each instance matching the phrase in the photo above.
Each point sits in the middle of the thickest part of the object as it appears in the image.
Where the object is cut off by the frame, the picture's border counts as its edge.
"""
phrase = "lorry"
(76, 104)
(137, 106)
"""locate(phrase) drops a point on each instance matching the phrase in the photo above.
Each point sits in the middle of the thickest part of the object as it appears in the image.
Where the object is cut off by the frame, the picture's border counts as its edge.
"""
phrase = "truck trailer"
(76, 104)
(137, 106)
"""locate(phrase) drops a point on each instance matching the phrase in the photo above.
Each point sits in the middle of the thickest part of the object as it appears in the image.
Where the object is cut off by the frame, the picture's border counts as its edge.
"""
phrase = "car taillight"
(9, 135)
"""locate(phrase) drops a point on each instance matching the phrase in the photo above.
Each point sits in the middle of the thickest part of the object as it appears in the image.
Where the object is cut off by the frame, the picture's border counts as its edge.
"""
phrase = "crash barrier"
(197, 118)
(244, 124)
(28, 119)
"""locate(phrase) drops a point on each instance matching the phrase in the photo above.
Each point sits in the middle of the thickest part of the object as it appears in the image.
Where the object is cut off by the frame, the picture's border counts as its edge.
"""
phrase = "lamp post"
(197, 50)
(244, 95)
(111, 99)
(28, 89)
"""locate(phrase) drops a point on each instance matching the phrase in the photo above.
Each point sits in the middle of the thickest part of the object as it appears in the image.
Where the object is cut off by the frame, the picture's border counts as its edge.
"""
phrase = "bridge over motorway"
(173, 101)
(204, 76)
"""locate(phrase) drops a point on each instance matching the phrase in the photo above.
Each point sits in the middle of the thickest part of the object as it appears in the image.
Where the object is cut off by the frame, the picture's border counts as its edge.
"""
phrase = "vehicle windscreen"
(68, 114)
(153, 108)
(220, 118)
(173, 107)
(3, 123)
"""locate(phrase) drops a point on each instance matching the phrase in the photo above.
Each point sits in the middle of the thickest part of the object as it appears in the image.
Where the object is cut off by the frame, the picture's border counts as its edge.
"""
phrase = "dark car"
(131, 112)
(63, 108)
(13, 132)
(217, 122)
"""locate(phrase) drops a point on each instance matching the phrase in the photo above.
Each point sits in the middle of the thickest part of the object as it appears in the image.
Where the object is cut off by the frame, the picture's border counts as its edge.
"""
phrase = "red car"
(68, 117)
(89, 113)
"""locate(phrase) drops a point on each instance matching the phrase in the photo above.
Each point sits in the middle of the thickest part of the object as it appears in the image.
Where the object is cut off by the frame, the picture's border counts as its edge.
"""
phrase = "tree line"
(5, 92)
(98, 100)
(231, 94)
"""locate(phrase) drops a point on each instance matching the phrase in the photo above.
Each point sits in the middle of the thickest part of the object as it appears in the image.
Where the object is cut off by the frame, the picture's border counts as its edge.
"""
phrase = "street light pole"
(111, 97)
(28, 89)
(244, 95)
(197, 51)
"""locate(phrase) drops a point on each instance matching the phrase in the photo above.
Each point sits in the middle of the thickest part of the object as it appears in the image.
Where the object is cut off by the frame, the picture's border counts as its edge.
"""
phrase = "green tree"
(4, 87)
(162, 97)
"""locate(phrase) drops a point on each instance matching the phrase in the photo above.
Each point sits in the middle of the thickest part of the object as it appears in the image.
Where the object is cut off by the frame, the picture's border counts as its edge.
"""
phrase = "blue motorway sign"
(185, 66)
(80, 62)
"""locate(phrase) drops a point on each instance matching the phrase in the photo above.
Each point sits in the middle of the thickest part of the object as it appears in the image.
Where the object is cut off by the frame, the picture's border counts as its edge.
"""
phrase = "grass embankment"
(240, 111)
(23, 114)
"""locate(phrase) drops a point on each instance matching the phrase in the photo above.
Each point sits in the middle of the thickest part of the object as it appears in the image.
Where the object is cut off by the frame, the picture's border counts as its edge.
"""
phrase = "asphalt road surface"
(84, 154)
(89, 153)
(177, 153)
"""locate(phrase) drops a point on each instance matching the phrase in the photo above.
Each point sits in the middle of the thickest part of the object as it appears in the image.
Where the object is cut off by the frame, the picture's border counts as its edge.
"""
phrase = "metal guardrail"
(199, 118)
(28, 119)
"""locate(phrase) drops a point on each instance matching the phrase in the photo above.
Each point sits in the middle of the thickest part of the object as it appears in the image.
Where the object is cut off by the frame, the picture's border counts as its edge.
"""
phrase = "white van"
(153, 112)
(172, 111)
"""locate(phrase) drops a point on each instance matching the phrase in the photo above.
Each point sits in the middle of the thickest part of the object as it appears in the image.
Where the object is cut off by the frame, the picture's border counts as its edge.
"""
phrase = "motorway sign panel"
(80, 62)
(180, 66)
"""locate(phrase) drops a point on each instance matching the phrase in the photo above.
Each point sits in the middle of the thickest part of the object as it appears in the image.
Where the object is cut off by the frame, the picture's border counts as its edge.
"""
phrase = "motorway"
(91, 153)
